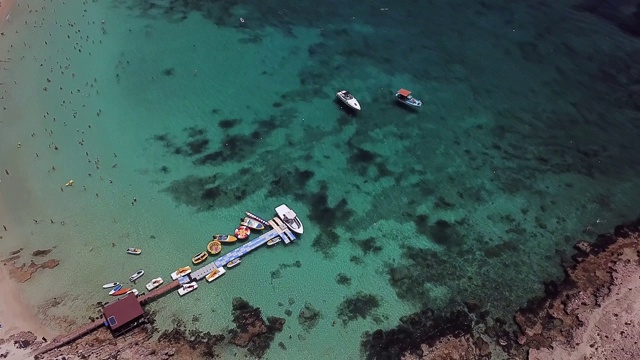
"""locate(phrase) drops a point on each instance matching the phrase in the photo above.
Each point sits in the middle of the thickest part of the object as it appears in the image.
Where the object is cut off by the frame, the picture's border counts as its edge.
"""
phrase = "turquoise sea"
(175, 117)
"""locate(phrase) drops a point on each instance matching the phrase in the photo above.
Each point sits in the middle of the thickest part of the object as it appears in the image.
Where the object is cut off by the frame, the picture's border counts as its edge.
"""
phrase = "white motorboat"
(136, 276)
(348, 99)
(110, 285)
(181, 272)
(274, 241)
(115, 289)
(290, 218)
(154, 283)
(187, 288)
(251, 223)
(134, 251)
(216, 273)
(405, 97)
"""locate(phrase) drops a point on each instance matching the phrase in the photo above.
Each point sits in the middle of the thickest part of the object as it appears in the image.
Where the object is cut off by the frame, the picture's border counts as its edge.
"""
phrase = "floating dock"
(157, 292)
(241, 251)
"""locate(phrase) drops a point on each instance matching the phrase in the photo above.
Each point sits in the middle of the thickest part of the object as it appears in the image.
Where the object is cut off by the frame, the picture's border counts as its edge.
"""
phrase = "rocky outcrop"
(590, 314)
(604, 282)
(251, 330)
(24, 272)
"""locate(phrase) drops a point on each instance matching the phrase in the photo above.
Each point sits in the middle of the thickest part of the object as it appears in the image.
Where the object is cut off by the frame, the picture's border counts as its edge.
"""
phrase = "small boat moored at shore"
(348, 99)
(134, 251)
(115, 289)
(214, 247)
(181, 272)
(216, 273)
(274, 241)
(252, 224)
(110, 285)
(404, 96)
(225, 238)
(242, 232)
(187, 288)
(136, 276)
(132, 291)
(233, 262)
(290, 218)
(154, 283)
(121, 292)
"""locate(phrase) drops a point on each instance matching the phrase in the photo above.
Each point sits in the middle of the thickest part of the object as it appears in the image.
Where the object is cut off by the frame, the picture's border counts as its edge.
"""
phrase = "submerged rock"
(588, 303)
(24, 272)
(309, 317)
(251, 330)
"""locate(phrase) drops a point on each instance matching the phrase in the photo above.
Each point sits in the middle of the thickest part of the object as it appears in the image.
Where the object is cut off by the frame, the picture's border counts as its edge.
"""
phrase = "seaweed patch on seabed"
(325, 242)
(205, 342)
(251, 331)
(424, 266)
(368, 246)
(309, 317)
(423, 327)
(366, 162)
(209, 192)
(277, 274)
(360, 306)
(343, 279)
(327, 218)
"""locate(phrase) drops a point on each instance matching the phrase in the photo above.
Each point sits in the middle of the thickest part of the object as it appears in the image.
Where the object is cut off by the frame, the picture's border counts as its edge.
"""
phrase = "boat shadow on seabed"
(348, 110)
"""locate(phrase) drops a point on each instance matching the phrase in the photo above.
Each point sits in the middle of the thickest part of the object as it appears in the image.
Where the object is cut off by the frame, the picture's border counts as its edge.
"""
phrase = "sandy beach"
(16, 313)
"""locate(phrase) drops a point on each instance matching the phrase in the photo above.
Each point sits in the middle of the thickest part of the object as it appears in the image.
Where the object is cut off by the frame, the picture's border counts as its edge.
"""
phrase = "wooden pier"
(61, 341)
(279, 229)
(144, 299)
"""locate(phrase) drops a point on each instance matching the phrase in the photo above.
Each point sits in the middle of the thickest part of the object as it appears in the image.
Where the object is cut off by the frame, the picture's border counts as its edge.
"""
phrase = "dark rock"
(309, 317)
(251, 330)
(343, 279)
(358, 306)
(423, 327)
(41, 252)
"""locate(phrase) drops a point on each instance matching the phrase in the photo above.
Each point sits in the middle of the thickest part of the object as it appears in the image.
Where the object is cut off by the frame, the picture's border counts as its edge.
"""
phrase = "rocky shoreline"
(590, 314)
(252, 332)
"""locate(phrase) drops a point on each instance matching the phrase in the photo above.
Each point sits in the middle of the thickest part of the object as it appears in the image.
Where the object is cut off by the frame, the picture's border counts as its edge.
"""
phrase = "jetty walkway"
(241, 251)
(146, 298)
(61, 341)
(279, 229)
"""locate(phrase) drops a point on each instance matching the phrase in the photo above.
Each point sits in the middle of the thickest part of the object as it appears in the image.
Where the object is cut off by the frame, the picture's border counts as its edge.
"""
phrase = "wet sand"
(16, 314)
(5, 9)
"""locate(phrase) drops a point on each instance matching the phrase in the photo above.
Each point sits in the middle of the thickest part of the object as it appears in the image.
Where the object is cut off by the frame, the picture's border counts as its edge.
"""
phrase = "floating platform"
(241, 251)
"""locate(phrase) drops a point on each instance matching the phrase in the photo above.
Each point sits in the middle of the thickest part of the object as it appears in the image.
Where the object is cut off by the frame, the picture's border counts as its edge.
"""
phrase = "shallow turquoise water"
(526, 144)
